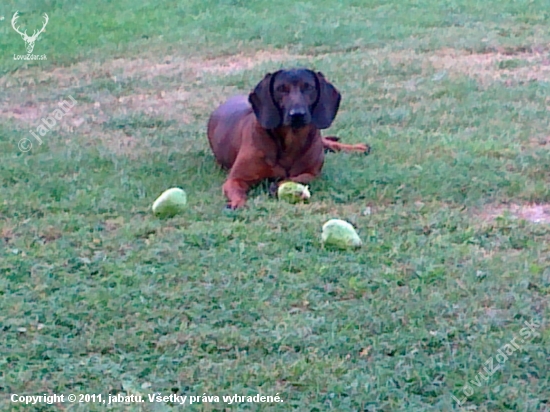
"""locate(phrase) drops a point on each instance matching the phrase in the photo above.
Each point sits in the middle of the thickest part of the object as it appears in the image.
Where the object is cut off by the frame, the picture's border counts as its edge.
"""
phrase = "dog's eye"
(308, 87)
(282, 88)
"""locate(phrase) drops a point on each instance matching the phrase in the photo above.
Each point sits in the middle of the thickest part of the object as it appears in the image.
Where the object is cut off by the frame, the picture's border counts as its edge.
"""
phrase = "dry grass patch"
(535, 213)
(177, 105)
(496, 66)
(118, 142)
(173, 104)
(180, 105)
(504, 65)
(147, 68)
(539, 141)
(150, 68)
(25, 113)
(30, 114)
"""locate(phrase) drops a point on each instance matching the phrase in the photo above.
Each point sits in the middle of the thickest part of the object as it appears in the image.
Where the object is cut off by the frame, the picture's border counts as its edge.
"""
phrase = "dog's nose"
(297, 113)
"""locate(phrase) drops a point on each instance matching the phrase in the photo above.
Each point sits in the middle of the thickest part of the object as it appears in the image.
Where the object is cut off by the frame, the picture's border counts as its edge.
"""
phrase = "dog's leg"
(330, 144)
(235, 192)
(332, 139)
(248, 170)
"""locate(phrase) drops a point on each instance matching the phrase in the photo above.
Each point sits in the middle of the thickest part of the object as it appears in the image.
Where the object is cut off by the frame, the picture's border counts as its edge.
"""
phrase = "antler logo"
(29, 40)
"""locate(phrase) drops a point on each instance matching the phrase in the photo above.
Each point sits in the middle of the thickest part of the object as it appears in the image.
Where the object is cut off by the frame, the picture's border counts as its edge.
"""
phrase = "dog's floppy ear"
(262, 102)
(327, 105)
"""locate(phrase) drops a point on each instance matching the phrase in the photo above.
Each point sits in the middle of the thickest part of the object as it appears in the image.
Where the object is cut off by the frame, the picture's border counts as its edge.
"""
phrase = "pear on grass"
(340, 234)
(170, 203)
(293, 192)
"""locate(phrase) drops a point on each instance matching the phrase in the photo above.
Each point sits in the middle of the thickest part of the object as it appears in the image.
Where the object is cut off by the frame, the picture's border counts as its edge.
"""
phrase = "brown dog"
(275, 132)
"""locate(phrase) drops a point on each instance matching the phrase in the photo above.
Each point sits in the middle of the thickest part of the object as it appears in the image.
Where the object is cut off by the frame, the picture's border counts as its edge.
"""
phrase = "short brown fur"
(274, 133)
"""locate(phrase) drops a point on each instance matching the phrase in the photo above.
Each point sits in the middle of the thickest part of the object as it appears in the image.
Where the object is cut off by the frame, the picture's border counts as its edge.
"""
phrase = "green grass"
(99, 296)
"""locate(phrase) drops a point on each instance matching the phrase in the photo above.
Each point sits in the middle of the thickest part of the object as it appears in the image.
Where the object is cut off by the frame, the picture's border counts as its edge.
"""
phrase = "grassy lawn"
(453, 206)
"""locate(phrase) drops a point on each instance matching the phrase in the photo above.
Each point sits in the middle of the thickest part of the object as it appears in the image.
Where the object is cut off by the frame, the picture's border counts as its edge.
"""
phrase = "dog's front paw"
(235, 204)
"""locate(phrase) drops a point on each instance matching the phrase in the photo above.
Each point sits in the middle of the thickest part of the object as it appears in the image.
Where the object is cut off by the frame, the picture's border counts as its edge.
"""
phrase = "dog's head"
(295, 98)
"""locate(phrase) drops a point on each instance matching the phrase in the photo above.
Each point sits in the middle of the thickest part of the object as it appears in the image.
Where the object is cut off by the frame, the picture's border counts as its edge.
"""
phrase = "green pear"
(340, 234)
(293, 192)
(170, 203)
